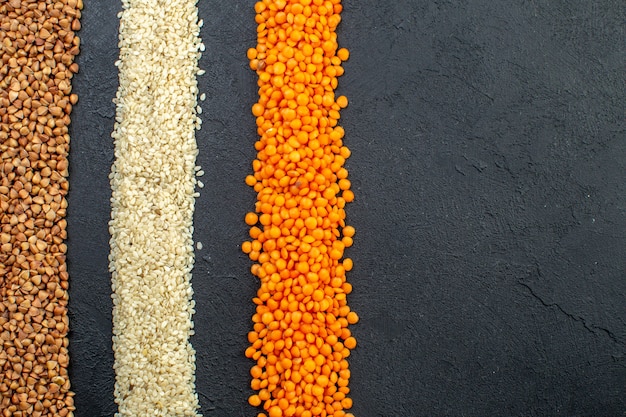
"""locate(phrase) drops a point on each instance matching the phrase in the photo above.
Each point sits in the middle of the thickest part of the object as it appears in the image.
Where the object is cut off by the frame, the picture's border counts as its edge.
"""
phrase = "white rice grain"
(153, 181)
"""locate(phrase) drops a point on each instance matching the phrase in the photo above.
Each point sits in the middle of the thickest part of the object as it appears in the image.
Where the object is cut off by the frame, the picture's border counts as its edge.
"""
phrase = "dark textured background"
(488, 165)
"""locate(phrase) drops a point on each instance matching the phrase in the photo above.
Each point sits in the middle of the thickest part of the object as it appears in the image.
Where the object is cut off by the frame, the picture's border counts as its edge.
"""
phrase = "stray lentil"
(153, 180)
(38, 49)
(300, 338)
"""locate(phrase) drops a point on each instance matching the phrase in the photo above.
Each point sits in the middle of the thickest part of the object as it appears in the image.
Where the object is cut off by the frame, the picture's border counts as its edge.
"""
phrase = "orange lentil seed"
(300, 339)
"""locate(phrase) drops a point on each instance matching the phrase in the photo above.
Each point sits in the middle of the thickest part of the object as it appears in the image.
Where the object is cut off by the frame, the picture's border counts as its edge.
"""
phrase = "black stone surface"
(488, 161)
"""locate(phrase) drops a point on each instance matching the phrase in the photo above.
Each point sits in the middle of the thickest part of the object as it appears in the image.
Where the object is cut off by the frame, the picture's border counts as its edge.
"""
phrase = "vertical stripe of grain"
(300, 340)
(38, 49)
(153, 180)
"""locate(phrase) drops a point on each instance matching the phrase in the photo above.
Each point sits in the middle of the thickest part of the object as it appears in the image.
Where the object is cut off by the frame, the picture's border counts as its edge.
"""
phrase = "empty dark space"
(488, 155)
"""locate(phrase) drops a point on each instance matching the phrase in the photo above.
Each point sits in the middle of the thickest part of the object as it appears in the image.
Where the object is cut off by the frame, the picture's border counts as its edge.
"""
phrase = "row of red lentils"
(300, 340)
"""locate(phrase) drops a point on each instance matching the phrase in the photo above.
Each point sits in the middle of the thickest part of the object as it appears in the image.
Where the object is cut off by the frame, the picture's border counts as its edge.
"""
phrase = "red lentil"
(300, 338)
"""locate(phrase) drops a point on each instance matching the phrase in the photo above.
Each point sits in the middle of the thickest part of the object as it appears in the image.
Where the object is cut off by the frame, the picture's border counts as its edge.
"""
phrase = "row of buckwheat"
(38, 49)
(153, 180)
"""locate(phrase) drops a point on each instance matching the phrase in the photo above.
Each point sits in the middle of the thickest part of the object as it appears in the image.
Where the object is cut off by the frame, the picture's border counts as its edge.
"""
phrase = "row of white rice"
(153, 183)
